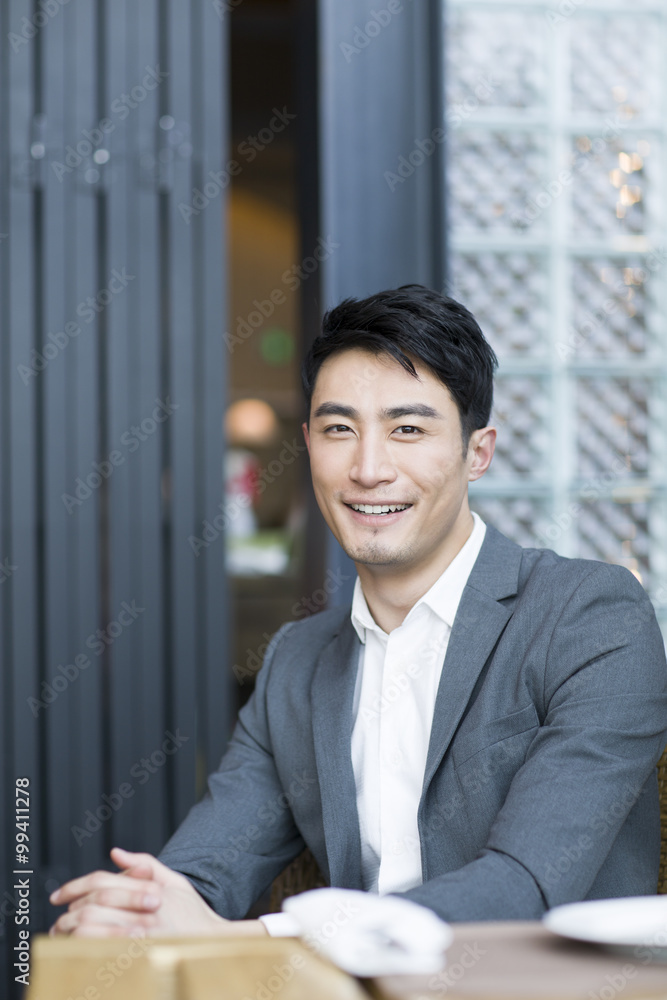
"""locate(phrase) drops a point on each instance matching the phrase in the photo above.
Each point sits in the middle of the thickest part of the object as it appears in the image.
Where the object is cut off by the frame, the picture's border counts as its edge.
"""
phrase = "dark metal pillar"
(381, 156)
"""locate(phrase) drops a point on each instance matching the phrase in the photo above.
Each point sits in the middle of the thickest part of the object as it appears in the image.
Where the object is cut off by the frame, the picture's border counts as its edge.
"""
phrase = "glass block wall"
(557, 118)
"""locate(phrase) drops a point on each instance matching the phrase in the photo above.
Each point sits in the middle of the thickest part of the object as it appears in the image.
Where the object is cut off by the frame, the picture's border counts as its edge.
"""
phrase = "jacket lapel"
(332, 696)
(478, 624)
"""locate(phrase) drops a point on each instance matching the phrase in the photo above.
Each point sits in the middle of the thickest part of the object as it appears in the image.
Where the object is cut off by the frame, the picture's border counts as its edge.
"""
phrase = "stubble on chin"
(376, 554)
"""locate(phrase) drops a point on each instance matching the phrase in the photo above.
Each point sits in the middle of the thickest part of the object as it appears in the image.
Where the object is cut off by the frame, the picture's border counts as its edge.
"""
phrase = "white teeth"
(367, 508)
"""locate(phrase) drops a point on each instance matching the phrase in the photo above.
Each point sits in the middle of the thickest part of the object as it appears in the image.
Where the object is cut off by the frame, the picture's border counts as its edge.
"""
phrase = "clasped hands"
(145, 899)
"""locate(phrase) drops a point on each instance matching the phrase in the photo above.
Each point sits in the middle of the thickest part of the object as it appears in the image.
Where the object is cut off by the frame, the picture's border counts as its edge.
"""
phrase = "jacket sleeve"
(586, 788)
(241, 835)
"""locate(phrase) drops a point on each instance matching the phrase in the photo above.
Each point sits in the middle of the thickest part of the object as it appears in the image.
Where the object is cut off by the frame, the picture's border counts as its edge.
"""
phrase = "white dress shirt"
(394, 701)
(397, 684)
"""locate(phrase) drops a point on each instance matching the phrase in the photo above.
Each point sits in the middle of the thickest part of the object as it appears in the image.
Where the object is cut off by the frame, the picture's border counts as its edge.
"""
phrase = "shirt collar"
(444, 596)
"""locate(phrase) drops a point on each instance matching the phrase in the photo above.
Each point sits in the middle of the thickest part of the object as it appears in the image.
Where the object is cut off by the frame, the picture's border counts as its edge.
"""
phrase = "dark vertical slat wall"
(178, 372)
(70, 579)
(55, 383)
(144, 382)
(20, 593)
(129, 51)
(102, 243)
(121, 407)
(134, 360)
(214, 706)
(5, 609)
(82, 391)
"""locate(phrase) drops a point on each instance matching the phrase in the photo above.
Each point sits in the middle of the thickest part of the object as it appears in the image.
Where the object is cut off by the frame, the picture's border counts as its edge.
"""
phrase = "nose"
(372, 464)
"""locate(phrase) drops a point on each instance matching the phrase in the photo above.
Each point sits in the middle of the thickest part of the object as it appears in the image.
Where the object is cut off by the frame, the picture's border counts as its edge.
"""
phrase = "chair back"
(302, 874)
(662, 791)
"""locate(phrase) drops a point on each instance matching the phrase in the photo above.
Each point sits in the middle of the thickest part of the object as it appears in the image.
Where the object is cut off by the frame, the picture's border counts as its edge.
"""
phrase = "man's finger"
(139, 871)
(136, 898)
(107, 931)
(83, 886)
(100, 916)
(130, 860)
(134, 859)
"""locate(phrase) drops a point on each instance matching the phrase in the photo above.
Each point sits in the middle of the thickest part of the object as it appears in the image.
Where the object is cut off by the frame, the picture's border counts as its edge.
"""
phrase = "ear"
(481, 447)
(304, 428)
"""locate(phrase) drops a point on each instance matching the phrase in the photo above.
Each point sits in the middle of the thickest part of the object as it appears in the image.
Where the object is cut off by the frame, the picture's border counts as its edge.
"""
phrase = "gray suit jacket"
(540, 783)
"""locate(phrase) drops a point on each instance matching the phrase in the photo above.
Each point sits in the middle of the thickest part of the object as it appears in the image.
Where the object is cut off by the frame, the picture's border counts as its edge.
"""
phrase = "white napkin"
(369, 935)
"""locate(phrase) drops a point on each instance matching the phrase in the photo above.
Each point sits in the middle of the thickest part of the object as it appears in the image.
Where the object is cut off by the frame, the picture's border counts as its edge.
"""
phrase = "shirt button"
(396, 758)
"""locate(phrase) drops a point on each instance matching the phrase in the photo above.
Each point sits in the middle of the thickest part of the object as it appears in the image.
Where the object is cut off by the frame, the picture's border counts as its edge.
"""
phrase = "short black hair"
(414, 320)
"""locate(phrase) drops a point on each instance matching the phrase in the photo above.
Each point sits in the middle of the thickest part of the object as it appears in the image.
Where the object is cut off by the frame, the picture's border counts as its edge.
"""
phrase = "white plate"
(631, 922)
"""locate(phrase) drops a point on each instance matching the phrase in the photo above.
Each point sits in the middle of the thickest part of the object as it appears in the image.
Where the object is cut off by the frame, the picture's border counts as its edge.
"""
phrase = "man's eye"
(337, 428)
(408, 430)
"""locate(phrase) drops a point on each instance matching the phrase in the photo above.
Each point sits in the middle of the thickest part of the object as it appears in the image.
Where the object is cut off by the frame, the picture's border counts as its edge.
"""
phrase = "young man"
(478, 733)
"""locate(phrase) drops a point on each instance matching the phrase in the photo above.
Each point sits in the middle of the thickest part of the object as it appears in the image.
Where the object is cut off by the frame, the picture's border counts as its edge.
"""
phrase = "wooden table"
(523, 961)
(488, 961)
(256, 968)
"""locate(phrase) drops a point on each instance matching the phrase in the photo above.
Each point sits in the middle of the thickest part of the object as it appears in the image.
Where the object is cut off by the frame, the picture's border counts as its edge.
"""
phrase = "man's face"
(378, 437)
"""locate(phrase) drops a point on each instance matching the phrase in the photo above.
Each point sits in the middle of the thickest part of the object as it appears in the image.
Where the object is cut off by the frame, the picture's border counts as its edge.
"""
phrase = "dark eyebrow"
(391, 413)
(410, 410)
(336, 410)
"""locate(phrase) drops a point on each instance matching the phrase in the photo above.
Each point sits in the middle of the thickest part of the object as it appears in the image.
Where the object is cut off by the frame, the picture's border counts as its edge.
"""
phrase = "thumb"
(141, 865)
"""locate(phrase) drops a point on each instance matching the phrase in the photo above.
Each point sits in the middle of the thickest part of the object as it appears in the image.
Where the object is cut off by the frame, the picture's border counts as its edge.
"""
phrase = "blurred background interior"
(185, 186)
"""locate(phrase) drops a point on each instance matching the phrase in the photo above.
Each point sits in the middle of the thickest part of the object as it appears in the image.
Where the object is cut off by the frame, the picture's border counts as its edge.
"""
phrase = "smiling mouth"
(367, 508)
